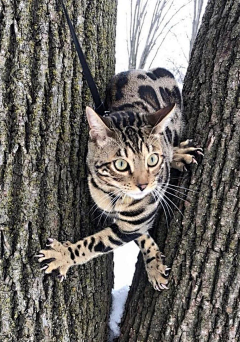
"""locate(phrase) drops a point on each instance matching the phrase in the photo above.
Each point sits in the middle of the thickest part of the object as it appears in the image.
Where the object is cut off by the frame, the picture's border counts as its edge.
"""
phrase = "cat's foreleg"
(153, 259)
(61, 256)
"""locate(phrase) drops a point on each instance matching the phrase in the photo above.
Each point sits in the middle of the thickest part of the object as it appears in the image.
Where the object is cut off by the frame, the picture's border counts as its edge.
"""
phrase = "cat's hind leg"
(153, 259)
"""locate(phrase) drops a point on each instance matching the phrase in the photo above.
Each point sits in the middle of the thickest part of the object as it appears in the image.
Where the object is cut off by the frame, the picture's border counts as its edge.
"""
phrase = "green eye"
(121, 165)
(152, 160)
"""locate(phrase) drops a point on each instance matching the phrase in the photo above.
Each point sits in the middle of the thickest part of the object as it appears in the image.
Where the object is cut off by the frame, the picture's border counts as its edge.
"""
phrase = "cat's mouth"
(138, 194)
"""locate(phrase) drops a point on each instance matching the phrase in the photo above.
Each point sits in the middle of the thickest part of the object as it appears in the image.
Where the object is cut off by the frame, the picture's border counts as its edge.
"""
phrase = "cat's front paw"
(157, 273)
(185, 154)
(58, 257)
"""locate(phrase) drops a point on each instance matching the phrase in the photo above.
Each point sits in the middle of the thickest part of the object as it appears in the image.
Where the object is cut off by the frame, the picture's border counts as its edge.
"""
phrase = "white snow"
(119, 298)
(124, 266)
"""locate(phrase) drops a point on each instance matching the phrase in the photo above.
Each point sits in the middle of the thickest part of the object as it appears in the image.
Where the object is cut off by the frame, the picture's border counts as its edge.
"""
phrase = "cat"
(130, 152)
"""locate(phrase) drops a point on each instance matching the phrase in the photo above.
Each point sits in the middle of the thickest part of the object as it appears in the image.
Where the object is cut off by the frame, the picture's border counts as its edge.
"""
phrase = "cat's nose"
(142, 186)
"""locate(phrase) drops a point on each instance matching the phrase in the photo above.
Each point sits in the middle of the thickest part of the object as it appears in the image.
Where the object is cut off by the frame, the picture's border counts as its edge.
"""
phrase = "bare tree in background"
(155, 26)
(197, 13)
(179, 69)
(161, 23)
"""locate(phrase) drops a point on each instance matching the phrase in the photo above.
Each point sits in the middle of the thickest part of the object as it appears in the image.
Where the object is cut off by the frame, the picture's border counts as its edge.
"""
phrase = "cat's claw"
(158, 274)
(38, 256)
(186, 154)
(166, 271)
(61, 277)
(44, 268)
(200, 153)
(160, 287)
(49, 242)
(56, 258)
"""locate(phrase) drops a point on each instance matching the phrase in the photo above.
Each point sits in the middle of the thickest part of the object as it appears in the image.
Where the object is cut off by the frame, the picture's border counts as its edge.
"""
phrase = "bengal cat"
(130, 153)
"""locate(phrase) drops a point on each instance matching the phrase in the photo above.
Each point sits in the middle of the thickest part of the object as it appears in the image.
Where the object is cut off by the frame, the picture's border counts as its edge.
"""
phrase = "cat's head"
(128, 154)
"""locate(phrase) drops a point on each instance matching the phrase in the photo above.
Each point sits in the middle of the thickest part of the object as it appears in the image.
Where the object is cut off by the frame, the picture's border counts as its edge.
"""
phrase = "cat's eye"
(121, 165)
(152, 160)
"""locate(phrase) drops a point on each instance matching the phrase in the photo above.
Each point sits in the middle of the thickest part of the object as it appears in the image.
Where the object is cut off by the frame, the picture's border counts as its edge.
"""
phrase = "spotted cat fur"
(130, 153)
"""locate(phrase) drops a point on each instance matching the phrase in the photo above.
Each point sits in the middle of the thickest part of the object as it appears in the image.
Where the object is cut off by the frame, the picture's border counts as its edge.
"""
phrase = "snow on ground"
(124, 262)
(119, 298)
(124, 265)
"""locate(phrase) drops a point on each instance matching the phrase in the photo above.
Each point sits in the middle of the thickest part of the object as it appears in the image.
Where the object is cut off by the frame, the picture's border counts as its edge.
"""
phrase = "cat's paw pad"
(185, 154)
(56, 257)
(158, 274)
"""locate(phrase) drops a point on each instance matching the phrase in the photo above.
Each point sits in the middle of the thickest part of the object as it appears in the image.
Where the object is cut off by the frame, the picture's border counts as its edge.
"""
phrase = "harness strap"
(87, 73)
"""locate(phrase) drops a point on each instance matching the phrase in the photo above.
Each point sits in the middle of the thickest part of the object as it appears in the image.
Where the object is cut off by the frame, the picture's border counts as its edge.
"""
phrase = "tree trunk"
(43, 138)
(202, 247)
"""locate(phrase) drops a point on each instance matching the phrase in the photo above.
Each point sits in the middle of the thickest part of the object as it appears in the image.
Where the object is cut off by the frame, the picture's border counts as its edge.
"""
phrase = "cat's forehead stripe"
(133, 139)
(122, 152)
(127, 118)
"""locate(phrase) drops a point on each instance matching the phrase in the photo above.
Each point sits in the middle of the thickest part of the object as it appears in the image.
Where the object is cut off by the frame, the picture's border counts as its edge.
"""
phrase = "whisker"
(179, 192)
(170, 193)
(181, 187)
(155, 195)
(96, 206)
(168, 199)
(164, 201)
(168, 212)
(101, 201)
(108, 210)
(167, 206)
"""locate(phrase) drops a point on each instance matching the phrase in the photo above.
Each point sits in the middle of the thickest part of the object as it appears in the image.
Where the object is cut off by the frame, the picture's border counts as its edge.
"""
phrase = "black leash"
(87, 73)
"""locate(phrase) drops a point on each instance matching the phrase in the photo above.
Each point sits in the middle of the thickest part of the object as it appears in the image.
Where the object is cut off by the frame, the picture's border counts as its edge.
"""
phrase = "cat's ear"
(161, 119)
(99, 131)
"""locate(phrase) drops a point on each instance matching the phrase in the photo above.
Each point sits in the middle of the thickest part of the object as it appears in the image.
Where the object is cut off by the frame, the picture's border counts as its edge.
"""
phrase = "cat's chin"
(138, 196)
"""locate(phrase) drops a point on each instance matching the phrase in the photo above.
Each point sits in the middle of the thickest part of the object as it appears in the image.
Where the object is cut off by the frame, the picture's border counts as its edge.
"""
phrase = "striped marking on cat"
(144, 118)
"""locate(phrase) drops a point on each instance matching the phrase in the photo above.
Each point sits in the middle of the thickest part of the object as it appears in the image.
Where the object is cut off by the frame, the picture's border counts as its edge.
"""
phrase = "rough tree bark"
(43, 136)
(202, 247)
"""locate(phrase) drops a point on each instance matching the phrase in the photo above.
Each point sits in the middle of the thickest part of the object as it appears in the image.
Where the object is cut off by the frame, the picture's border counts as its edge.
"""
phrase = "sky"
(175, 48)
